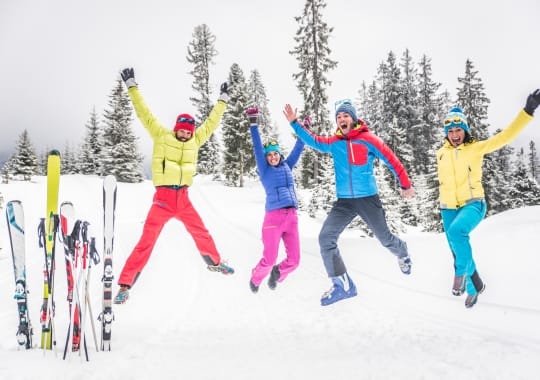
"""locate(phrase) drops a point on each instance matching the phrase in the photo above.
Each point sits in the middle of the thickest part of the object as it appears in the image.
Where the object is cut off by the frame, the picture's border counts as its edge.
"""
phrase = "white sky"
(60, 58)
(184, 322)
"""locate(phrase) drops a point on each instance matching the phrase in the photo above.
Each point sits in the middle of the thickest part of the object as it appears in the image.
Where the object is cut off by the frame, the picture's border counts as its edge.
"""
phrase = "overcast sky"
(60, 58)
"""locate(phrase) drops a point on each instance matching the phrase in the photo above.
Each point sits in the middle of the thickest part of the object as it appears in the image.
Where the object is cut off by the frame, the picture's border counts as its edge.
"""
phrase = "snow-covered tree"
(69, 160)
(120, 155)
(24, 162)
(534, 162)
(90, 151)
(238, 157)
(313, 54)
(257, 96)
(525, 190)
(200, 53)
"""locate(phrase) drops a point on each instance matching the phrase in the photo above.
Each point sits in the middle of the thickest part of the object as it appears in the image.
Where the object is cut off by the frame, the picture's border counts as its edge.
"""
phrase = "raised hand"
(128, 76)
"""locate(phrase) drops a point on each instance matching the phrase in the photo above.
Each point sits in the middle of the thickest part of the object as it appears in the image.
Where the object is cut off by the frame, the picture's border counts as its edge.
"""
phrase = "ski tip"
(109, 179)
(54, 152)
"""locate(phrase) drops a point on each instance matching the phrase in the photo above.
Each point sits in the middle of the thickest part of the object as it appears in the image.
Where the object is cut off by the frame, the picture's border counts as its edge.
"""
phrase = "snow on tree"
(90, 152)
(257, 97)
(120, 155)
(525, 190)
(313, 53)
(238, 158)
(23, 163)
(69, 160)
(200, 53)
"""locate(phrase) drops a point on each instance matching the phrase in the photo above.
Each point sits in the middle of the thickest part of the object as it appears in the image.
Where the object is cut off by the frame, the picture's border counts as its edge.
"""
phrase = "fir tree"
(69, 160)
(24, 162)
(474, 102)
(238, 157)
(120, 154)
(534, 162)
(312, 52)
(501, 180)
(257, 96)
(430, 114)
(525, 190)
(91, 148)
(200, 53)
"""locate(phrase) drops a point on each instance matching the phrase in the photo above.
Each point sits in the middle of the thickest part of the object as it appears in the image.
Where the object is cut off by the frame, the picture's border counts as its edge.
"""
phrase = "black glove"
(533, 100)
(253, 115)
(224, 92)
(128, 76)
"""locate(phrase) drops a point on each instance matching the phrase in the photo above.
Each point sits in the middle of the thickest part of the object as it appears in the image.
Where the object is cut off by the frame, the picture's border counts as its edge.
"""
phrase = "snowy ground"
(184, 322)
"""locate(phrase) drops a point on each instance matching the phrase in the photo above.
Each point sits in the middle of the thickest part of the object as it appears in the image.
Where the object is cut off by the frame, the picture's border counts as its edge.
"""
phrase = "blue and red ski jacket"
(353, 157)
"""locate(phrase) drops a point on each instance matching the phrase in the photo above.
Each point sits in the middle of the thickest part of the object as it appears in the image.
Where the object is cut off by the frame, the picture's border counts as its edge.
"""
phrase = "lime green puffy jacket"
(460, 168)
(174, 162)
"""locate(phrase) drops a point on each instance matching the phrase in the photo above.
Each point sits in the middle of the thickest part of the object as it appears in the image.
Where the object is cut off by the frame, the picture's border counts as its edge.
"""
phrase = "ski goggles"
(341, 102)
(454, 120)
(185, 120)
(270, 143)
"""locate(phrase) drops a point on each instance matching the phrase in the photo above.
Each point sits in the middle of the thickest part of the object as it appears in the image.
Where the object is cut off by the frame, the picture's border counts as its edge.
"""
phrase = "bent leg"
(187, 214)
(338, 218)
(291, 241)
(156, 219)
(271, 236)
(371, 211)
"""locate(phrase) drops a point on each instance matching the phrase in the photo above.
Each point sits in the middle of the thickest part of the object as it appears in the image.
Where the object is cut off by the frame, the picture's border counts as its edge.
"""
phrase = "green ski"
(47, 239)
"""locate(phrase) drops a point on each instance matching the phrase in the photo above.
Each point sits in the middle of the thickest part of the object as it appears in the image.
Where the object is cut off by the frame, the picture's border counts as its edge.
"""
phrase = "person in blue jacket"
(353, 148)
(280, 219)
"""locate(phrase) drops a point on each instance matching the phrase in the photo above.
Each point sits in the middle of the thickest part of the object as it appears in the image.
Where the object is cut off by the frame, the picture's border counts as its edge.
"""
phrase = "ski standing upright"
(15, 223)
(47, 230)
(109, 206)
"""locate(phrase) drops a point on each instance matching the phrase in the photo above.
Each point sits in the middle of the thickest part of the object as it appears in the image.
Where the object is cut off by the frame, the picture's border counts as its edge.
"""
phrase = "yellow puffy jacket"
(460, 168)
(174, 162)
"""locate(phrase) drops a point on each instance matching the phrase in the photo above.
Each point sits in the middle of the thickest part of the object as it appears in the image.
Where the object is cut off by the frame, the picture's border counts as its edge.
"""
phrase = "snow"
(184, 322)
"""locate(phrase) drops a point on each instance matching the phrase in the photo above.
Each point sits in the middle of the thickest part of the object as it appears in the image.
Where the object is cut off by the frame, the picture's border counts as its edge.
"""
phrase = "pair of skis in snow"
(48, 229)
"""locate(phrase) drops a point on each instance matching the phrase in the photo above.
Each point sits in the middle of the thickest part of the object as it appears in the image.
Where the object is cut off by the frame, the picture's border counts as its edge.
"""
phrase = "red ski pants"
(168, 203)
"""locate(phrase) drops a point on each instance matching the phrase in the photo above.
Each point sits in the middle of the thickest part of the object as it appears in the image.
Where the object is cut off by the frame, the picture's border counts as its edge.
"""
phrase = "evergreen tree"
(120, 154)
(312, 52)
(431, 110)
(501, 180)
(200, 53)
(525, 190)
(391, 96)
(474, 102)
(430, 114)
(24, 162)
(69, 160)
(534, 162)
(238, 157)
(408, 117)
(92, 146)
(257, 96)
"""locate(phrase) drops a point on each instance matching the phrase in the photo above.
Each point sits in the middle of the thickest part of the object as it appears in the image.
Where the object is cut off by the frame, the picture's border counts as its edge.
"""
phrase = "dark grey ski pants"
(342, 213)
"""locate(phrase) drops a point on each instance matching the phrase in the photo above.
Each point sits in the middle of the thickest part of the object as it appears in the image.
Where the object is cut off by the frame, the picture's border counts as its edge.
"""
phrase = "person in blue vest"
(280, 219)
(353, 148)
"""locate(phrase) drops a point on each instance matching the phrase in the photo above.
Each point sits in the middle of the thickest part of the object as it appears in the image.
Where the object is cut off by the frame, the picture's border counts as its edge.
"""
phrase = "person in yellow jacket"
(174, 162)
(461, 195)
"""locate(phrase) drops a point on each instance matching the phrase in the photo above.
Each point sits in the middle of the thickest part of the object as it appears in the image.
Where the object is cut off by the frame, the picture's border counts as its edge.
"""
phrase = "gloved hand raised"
(224, 92)
(533, 100)
(253, 115)
(128, 76)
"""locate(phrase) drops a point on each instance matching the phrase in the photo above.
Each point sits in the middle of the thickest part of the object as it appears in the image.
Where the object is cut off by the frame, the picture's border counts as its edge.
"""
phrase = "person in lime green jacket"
(461, 194)
(174, 162)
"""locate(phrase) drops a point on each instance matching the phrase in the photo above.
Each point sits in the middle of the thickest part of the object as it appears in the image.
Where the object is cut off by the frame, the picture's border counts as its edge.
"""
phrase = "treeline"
(402, 104)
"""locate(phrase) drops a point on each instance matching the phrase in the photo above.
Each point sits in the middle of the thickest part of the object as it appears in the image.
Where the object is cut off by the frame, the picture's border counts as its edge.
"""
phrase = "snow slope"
(183, 321)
